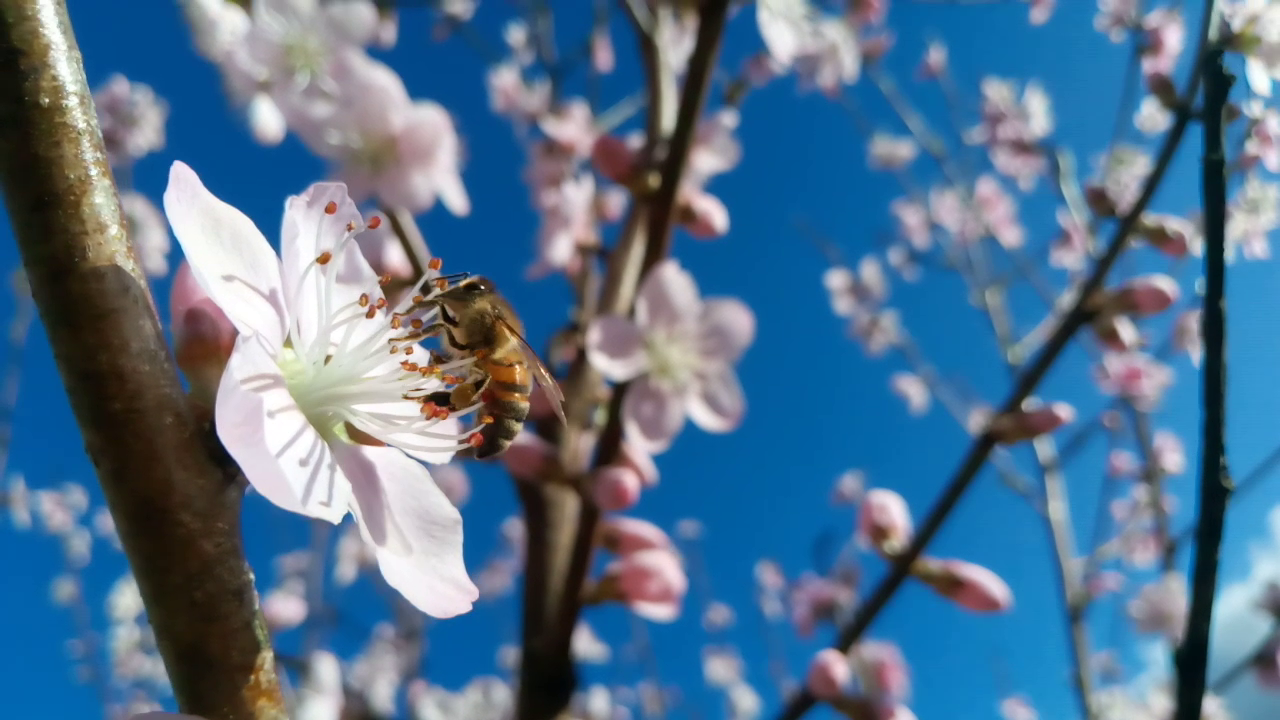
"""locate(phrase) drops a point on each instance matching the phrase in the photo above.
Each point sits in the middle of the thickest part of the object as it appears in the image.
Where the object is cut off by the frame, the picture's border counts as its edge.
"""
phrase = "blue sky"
(761, 491)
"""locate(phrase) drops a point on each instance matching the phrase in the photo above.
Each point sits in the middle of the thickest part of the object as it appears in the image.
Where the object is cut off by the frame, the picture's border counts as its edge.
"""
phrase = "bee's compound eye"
(482, 284)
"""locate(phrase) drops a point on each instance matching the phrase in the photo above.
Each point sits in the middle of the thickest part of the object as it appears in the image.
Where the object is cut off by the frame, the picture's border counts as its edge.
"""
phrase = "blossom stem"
(1192, 657)
(1027, 381)
(177, 513)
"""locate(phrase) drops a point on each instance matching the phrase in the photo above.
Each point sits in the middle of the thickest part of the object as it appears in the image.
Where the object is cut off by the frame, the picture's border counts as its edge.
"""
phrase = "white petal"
(229, 257)
(280, 453)
(1256, 74)
(717, 404)
(369, 499)
(668, 296)
(433, 577)
(305, 234)
(615, 346)
(411, 442)
(728, 329)
(651, 416)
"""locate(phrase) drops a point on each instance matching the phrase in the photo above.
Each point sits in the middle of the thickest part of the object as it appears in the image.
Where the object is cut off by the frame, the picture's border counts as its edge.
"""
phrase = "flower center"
(674, 358)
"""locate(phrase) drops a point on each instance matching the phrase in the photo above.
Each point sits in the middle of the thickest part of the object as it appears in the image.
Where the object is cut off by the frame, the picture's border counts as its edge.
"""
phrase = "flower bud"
(652, 583)
(968, 585)
(625, 535)
(884, 521)
(266, 121)
(1170, 234)
(616, 488)
(1014, 427)
(283, 609)
(1117, 332)
(203, 336)
(614, 158)
(1144, 295)
(529, 457)
(829, 674)
(704, 215)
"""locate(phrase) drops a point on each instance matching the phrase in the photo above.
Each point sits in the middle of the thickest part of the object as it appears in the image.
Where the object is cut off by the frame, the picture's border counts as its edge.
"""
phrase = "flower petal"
(728, 329)
(281, 454)
(229, 257)
(615, 346)
(433, 576)
(315, 292)
(668, 297)
(651, 416)
(369, 499)
(717, 403)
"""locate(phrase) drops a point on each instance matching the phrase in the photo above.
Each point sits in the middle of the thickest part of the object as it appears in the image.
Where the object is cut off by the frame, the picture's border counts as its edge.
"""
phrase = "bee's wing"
(541, 374)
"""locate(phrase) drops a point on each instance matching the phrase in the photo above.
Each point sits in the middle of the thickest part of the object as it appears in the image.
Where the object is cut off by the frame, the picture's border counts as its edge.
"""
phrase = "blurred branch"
(1027, 381)
(1192, 657)
(177, 511)
(560, 517)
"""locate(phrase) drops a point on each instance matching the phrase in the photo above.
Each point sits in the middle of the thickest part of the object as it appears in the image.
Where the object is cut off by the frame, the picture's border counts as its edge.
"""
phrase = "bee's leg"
(465, 394)
(430, 331)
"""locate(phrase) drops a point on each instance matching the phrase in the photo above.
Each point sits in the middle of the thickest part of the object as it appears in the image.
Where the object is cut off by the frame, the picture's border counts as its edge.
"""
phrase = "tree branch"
(1191, 658)
(177, 512)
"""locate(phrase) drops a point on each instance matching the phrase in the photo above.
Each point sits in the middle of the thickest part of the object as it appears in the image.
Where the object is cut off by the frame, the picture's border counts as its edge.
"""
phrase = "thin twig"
(177, 511)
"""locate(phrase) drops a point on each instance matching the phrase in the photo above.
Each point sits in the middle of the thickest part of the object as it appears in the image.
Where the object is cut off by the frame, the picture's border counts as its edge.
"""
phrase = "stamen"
(475, 440)
(364, 300)
(375, 222)
(331, 208)
(435, 263)
(373, 312)
(409, 366)
(416, 324)
(486, 419)
(384, 280)
(324, 257)
(351, 225)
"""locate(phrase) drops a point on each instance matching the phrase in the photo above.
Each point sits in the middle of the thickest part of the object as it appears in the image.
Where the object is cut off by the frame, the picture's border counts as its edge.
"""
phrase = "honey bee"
(476, 321)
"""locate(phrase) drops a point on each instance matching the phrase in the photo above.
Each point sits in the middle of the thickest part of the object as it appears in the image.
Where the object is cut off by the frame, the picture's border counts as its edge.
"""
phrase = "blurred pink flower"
(148, 232)
(678, 354)
(1032, 421)
(1134, 375)
(284, 609)
(882, 672)
(829, 674)
(1143, 295)
(293, 396)
(603, 59)
(1170, 455)
(1041, 11)
(1262, 144)
(529, 457)
(968, 585)
(1122, 173)
(1017, 707)
(1117, 332)
(652, 583)
(913, 223)
(1070, 250)
(1166, 36)
(641, 462)
(625, 535)
(1172, 235)
(132, 119)
(848, 488)
(891, 152)
(884, 521)
(814, 599)
(1186, 335)
(572, 127)
(935, 60)
(1013, 128)
(999, 212)
(616, 488)
(511, 97)
(203, 336)
(1253, 213)
(822, 49)
(1116, 18)
(384, 145)
(1122, 464)
(1161, 607)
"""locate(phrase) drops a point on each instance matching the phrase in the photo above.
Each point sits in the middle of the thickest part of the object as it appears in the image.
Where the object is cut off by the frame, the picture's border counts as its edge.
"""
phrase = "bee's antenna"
(454, 276)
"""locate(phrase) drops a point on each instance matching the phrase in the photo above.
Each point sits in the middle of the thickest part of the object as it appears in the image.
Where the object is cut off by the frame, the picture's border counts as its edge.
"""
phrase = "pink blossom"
(511, 97)
(823, 50)
(1012, 129)
(572, 127)
(203, 336)
(1253, 32)
(1262, 144)
(891, 152)
(913, 390)
(603, 60)
(132, 119)
(1115, 18)
(1166, 36)
(829, 674)
(1041, 11)
(1161, 607)
(287, 410)
(1134, 375)
(1070, 251)
(882, 672)
(968, 585)
(1170, 456)
(1017, 707)
(652, 583)
(1122, 174)
(935, 60)
(913, 223)
(625, 535)
(148, 232)
(640, 461)
(1032, 421)
(884, 521)
(1153, 116)
(679, 354)
(284, 609)
(568, 224)
(848, 489)
(1121, 464)
(999, 212)
(616, 488)
(814, 598)
(386, 146)
(1105, 582)
(1253, 213)
(529, 457)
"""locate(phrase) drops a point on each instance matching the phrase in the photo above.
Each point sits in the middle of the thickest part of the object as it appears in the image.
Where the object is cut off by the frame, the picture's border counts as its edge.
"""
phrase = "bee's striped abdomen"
(506, 399)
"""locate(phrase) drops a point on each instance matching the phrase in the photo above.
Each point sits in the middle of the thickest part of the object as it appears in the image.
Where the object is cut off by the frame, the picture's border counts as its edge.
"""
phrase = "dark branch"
(178, 515)
(1192, 656)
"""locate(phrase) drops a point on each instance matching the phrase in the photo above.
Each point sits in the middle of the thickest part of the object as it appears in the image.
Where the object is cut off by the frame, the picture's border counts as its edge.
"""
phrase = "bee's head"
(475, 285)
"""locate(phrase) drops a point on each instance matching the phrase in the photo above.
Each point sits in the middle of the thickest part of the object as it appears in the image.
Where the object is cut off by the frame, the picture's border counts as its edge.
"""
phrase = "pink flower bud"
(642, 462)
(283, 610)
(1170, 234)
(882, 672)
(884, 521)
(1117, 332)
(703, 214)
(203, 336)
(1017, 707)
(617, 488)
(529, 457)
(652, 583)
(611, 203)
(1144, 295)
(1170, 456)
(968, 585)
(934, 63)
(1019, 425)
(625, 535)
(1121, 464)
(614, 158)
(266, 122)
(603, 60)
(829, 674)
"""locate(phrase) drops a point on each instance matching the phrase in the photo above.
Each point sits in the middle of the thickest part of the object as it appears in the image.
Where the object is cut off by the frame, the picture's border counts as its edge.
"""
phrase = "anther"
(435, 263)
(381, 303)
(351, 225)
(331, 208)
(441, 283)
(395, 349)
(409, 366)
(475, 440)
(325, 257)
(364, 300)
(429, 370)
(371, 314)
(416, 324)
(384, 280)
(375, 222)
(408, 350)
(395, 323)
(486, 419)
(418, 299)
